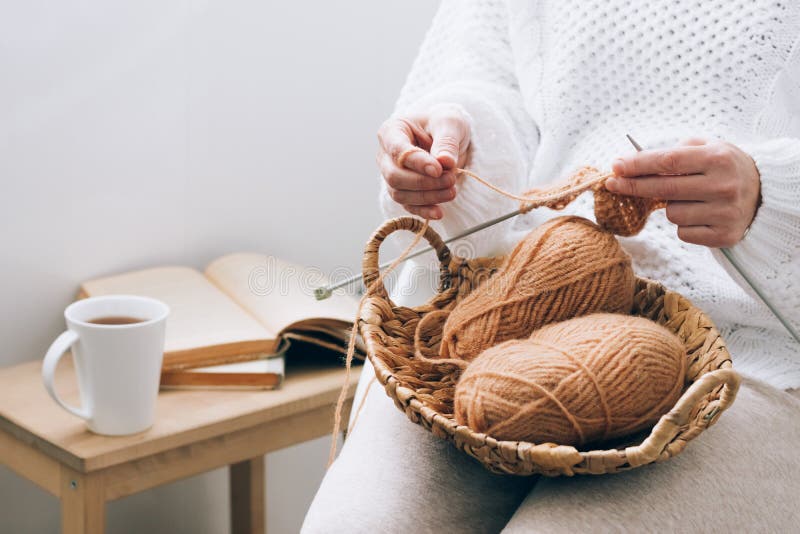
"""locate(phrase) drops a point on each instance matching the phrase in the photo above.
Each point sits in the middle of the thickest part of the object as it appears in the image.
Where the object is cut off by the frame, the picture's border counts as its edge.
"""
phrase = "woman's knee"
(734, 476)
(392, 475)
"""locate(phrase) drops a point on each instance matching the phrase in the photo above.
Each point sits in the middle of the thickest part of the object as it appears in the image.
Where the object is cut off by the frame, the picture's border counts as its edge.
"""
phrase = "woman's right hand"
(418, 154)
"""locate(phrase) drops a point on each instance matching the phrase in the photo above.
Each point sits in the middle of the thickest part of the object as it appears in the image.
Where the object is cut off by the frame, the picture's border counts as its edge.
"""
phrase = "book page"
(276, 292)
(263, 365)
(202, 318)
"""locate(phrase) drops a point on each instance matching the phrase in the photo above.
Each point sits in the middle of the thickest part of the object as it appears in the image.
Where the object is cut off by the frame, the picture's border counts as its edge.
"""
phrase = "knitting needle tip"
(321, 293)
(636, 145)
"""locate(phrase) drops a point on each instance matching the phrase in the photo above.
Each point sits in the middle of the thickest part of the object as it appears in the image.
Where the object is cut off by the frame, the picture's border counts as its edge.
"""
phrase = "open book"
(233, 324)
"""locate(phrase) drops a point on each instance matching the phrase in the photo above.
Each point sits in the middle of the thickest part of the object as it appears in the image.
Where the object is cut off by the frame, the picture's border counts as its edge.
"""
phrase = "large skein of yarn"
(579, 381)
(564, 268)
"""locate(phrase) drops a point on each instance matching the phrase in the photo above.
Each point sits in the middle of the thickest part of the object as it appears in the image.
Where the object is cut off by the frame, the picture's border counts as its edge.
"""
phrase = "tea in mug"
(116, 320)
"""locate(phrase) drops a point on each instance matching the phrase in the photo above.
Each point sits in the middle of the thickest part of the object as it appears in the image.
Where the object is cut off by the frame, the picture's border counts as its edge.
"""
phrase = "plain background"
(141, 133)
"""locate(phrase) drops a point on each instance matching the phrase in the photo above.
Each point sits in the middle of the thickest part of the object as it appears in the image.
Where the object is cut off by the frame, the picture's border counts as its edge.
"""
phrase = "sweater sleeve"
(770, 252)
(466, 60)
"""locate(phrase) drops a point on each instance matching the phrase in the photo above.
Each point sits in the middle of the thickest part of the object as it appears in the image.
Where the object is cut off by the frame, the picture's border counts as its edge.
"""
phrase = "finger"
(422, 198)
(407, 180)
(426, 212)
(674, 161)
(709, 236)
(420, 161)
(691, 187)
(419, 136)
(689, 213)
(450, 139)
(397, 140)
(693, 141)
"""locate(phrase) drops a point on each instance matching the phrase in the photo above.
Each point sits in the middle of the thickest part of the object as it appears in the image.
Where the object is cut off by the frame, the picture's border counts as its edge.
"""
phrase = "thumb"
(450, 133)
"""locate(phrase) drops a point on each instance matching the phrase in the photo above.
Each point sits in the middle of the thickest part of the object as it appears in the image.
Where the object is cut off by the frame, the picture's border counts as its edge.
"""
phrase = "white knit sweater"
(553, 85)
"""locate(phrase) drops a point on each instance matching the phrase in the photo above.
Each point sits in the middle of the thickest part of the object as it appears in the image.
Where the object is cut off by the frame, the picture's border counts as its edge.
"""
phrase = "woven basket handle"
(371, 268)
(670, 424)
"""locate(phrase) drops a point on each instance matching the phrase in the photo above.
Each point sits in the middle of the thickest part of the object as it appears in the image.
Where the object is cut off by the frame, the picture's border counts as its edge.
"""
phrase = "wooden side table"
(195, 431)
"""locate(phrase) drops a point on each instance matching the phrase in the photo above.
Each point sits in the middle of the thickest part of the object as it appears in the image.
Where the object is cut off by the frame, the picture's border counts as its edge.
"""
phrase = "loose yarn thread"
(579, 381)
(351, 344)
(361, 403)
(618, 214)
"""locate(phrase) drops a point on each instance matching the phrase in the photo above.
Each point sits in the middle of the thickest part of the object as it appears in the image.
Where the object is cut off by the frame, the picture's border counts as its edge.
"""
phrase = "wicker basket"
(425, 391)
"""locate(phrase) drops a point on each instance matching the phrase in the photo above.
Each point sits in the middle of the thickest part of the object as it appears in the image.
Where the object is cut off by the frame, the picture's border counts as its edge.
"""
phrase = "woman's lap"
(393, 476)
(741, 475)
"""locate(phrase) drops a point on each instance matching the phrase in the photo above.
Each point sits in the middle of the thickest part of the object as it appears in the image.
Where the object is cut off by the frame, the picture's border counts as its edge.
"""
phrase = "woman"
(524, 92)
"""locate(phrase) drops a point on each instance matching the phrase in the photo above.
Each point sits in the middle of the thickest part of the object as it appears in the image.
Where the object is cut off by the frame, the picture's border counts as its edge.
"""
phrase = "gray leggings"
(741, 475)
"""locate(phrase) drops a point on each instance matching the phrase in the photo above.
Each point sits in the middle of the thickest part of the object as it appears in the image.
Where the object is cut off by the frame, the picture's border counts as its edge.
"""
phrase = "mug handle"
(54, 354)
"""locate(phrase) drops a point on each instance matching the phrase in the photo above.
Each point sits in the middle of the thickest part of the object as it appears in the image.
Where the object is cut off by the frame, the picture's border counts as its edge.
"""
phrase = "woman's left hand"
(712, 189)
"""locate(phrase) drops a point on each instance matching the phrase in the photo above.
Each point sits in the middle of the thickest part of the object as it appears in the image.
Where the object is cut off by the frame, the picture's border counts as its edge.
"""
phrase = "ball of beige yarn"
(579, 381)
(564, 268)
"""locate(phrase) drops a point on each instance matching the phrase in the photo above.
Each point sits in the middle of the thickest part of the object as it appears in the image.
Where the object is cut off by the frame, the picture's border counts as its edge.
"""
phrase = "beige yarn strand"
(533, 198)
(618, 214)
(361, 404)
(351, 345)
(576, 184)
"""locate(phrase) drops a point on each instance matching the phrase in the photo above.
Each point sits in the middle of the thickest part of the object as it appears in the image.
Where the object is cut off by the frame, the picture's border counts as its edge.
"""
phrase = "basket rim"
(570, 457)
(716, 386)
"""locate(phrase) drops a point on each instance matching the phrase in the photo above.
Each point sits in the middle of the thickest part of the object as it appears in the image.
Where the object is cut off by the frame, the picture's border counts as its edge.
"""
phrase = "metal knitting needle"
(324, 292)
(321, 293)
(636, 145)
(743, 273)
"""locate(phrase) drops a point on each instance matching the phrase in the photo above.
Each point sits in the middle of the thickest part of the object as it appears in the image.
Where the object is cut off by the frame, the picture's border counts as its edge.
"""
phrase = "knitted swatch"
(575, 382)
(619, 214)
(565, 268)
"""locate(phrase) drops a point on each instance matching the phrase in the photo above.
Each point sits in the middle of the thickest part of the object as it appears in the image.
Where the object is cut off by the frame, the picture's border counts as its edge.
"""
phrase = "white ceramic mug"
(118, 365)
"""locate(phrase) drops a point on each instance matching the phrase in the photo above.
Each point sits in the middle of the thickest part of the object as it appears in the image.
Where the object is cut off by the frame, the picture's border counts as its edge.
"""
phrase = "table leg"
(83, 507)
(247, 497)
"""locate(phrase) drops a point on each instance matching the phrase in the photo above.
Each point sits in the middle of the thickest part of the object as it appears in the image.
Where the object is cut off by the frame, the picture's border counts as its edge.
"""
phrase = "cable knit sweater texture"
(549, 86)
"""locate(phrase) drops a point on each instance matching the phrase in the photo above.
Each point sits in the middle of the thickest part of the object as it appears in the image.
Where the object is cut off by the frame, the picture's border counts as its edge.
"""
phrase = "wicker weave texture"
(424, 391)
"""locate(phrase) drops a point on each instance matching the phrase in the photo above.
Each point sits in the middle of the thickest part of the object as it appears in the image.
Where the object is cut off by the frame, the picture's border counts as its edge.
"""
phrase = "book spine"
(224, 380)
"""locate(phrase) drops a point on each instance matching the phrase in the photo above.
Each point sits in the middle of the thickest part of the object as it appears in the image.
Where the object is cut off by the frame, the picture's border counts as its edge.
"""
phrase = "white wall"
(143, 133)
